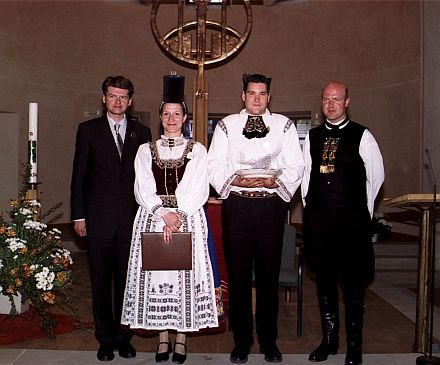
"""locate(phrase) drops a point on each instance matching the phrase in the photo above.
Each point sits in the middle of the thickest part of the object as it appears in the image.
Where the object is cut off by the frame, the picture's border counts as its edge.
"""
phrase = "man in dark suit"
(103, 207)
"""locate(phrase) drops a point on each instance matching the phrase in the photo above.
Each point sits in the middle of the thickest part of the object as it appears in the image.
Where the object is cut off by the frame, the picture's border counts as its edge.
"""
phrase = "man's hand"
(80, 228)
(269, 183)
(243, 182)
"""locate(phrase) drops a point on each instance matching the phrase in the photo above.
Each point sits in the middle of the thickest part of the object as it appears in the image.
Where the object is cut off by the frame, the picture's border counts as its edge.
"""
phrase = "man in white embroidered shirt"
(343, 174)
(255, 164)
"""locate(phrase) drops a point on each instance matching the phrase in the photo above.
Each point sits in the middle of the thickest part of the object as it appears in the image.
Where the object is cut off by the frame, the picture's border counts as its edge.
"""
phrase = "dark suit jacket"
(102, 187)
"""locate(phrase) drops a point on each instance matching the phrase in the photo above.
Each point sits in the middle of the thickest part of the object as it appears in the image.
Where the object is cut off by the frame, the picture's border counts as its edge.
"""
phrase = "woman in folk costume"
(171, 188)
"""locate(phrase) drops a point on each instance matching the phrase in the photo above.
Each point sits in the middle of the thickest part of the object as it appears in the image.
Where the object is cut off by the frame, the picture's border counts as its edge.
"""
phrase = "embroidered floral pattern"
(171, 142)
(222, 125)
(328, 155)
(169, 201)
(171, 303)
(283, 191)
(169, 164)
(226, 186)
(289, 123)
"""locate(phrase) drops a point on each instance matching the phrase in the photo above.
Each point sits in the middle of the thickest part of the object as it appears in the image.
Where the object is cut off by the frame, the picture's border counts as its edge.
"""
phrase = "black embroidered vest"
(168, 173)
(343, 184)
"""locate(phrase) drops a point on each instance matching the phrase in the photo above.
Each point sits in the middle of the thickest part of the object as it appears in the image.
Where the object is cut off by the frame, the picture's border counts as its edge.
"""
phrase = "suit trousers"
(108, 269)
(253, 231)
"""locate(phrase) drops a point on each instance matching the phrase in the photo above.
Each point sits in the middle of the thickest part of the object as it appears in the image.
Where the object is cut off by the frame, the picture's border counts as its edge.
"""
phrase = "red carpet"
(24, 327)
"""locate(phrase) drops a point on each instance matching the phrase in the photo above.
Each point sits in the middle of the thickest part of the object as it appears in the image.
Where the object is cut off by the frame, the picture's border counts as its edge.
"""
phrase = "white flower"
(45, 279)
(30, 224)
(25, 211)
(34, 203)
(190, 155)
(63, 253)
(15, 243)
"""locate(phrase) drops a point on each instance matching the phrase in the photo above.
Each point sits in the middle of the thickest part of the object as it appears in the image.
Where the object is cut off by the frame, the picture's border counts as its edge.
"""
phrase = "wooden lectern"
(424, 204)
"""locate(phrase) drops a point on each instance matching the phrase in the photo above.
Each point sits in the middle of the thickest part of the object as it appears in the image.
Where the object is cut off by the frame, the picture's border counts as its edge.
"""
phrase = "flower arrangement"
(380, 225)
(33, 262)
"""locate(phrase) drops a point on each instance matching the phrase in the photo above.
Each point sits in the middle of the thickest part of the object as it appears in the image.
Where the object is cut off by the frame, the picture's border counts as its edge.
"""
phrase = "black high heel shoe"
(179, 358)
(163, 356)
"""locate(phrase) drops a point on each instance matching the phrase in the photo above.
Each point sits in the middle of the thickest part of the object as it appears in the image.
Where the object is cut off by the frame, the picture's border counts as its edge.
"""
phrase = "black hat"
(173, 89)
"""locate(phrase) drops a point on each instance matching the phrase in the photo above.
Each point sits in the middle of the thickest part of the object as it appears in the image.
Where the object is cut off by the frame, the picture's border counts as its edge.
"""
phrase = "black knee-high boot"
(354, 322)
(329, 310)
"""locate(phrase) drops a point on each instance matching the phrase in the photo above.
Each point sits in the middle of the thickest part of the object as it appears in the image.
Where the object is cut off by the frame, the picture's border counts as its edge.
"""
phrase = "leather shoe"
(322, 351)
(354, 356)
(105, 352)
(271, 353)
(177, 357)
(163, 356)
(239, 355)
(126, 350)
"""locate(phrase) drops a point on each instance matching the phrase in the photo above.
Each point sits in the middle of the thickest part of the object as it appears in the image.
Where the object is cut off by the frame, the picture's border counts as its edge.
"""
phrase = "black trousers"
(253, 237)
(338, 248)
(108, 271)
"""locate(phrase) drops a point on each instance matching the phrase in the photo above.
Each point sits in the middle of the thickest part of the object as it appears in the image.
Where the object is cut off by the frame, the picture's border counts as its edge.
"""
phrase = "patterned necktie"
(120, 143)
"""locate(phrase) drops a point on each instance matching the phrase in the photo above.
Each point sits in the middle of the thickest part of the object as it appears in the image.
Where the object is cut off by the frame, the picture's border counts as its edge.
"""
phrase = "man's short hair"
(119, 82)
(338, 83)
(256, 78)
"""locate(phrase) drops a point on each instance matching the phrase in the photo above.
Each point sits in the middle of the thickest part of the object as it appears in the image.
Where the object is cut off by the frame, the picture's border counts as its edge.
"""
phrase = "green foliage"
(33, 261)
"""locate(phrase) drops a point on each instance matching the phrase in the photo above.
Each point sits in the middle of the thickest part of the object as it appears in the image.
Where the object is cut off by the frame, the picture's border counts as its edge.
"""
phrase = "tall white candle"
(32, 142)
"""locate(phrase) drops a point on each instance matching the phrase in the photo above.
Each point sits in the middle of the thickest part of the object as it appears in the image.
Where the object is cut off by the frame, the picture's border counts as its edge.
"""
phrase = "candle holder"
(32, 193)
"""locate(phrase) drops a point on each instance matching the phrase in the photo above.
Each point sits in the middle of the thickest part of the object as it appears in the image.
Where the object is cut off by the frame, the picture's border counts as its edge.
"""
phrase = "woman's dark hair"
(185, 125)
(120, 82)
(182, 105)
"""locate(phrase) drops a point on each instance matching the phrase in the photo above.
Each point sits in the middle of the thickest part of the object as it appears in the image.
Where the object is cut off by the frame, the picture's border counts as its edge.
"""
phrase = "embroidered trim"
(171, 142)
(289, 123)
(184, 216)
(255, 127)
(168, 201)
(328, 155)
(284, 189)
(155, 208)
(222, 125)
(170, 164)
(226, 185)
(184, 303)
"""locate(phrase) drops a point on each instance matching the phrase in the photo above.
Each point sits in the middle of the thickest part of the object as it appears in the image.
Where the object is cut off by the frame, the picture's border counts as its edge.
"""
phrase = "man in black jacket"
(103, 207)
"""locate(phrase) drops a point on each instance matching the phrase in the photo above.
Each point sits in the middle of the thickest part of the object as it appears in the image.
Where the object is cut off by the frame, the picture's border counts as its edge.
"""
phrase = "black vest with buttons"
(346, 186)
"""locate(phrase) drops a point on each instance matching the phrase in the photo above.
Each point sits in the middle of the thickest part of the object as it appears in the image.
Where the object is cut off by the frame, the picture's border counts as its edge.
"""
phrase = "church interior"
(57, 52)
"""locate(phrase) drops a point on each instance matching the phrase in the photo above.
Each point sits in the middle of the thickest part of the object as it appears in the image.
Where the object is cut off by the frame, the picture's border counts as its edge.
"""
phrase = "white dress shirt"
(230, 151)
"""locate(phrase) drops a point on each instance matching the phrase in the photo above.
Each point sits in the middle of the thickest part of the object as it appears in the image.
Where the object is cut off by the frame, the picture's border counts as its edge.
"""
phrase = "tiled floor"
(51, 357)
(388, 333)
